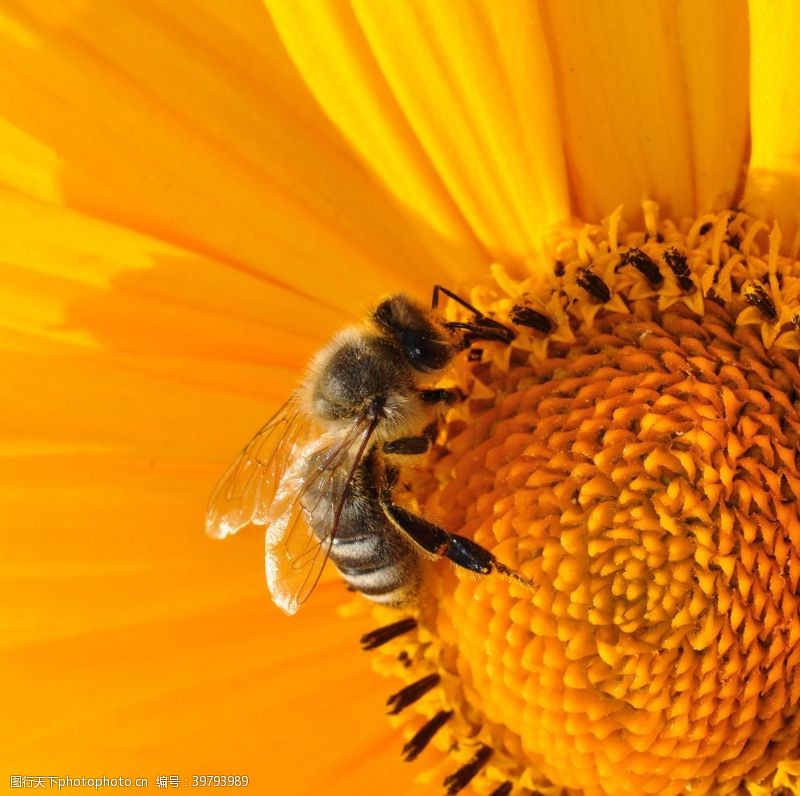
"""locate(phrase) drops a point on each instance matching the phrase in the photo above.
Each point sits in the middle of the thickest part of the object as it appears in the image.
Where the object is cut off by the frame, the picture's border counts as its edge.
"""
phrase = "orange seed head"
(638, 462)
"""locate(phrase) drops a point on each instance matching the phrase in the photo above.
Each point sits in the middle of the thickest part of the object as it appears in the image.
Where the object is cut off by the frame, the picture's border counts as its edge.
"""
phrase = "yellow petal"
(205, 691)
(75, 280)
(452, 104)
(653, 100)
(158, 645)
(713, 41)
(773, 183)
(190, 125)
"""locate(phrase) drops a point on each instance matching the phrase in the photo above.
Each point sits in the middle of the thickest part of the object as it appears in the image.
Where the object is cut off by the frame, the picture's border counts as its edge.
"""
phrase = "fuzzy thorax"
(358, 373)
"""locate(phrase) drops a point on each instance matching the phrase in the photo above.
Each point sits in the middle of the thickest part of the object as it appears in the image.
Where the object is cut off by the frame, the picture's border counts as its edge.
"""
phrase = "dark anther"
(644, 264)
(559, 269)
(765, 279)
(525, 316)
(422, 738)
(461, 778)
(475, 354)
(679, 266)
(376, 638)
(502, 790)
(593, 285)
(411, 693)
(757, 296)
(706, 228)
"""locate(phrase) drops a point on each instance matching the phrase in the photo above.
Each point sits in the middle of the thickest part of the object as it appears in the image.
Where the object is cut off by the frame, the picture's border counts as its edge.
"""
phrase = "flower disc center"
(645, 479)
(634, 454)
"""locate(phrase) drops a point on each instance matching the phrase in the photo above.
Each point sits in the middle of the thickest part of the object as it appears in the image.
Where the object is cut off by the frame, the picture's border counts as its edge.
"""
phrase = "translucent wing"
(246, 492)
(310, 500)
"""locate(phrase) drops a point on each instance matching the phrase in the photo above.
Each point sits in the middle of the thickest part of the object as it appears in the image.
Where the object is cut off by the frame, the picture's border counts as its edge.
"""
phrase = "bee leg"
(437, 289)
(481, 328)
(447, 396)
(422, 443)
(407, 446)
(438, 543)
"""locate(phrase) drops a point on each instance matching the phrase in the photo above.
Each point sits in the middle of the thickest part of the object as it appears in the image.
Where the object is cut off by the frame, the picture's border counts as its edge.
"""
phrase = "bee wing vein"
(299, 541)
(245, 492)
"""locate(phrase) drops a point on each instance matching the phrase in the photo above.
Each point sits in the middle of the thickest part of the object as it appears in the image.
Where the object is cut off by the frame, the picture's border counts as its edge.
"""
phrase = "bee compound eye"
(427, 354)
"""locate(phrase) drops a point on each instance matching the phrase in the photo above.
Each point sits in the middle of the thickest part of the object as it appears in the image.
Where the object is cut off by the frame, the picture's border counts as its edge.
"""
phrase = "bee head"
(415, 331)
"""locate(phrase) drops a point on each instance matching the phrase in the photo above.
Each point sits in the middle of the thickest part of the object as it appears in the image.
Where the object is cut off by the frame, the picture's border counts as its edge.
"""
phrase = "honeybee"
(319, 476)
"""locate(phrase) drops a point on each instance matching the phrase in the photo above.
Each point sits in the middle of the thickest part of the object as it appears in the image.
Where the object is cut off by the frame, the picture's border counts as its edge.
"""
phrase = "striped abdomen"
(373, 556)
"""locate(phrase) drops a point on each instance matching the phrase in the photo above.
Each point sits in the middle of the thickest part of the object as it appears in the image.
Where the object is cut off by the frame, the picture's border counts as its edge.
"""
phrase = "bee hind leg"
(438, 543)
(470, 555)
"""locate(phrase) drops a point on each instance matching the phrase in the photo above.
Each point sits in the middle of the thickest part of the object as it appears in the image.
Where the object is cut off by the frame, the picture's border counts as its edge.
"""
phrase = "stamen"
(679, 265)
(502, 790)
(593, 285)
(459, 780)
(376, 638)
(643, 263)
(411, 693)
(424, 735)
(757, 296)
(525, 316)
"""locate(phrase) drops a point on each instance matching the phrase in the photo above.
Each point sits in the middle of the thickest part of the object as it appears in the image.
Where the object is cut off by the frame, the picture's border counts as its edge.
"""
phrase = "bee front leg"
(481, 327)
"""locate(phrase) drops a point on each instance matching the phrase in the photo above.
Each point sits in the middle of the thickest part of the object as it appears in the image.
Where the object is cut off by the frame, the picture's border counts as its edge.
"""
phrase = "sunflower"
(195, 195)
